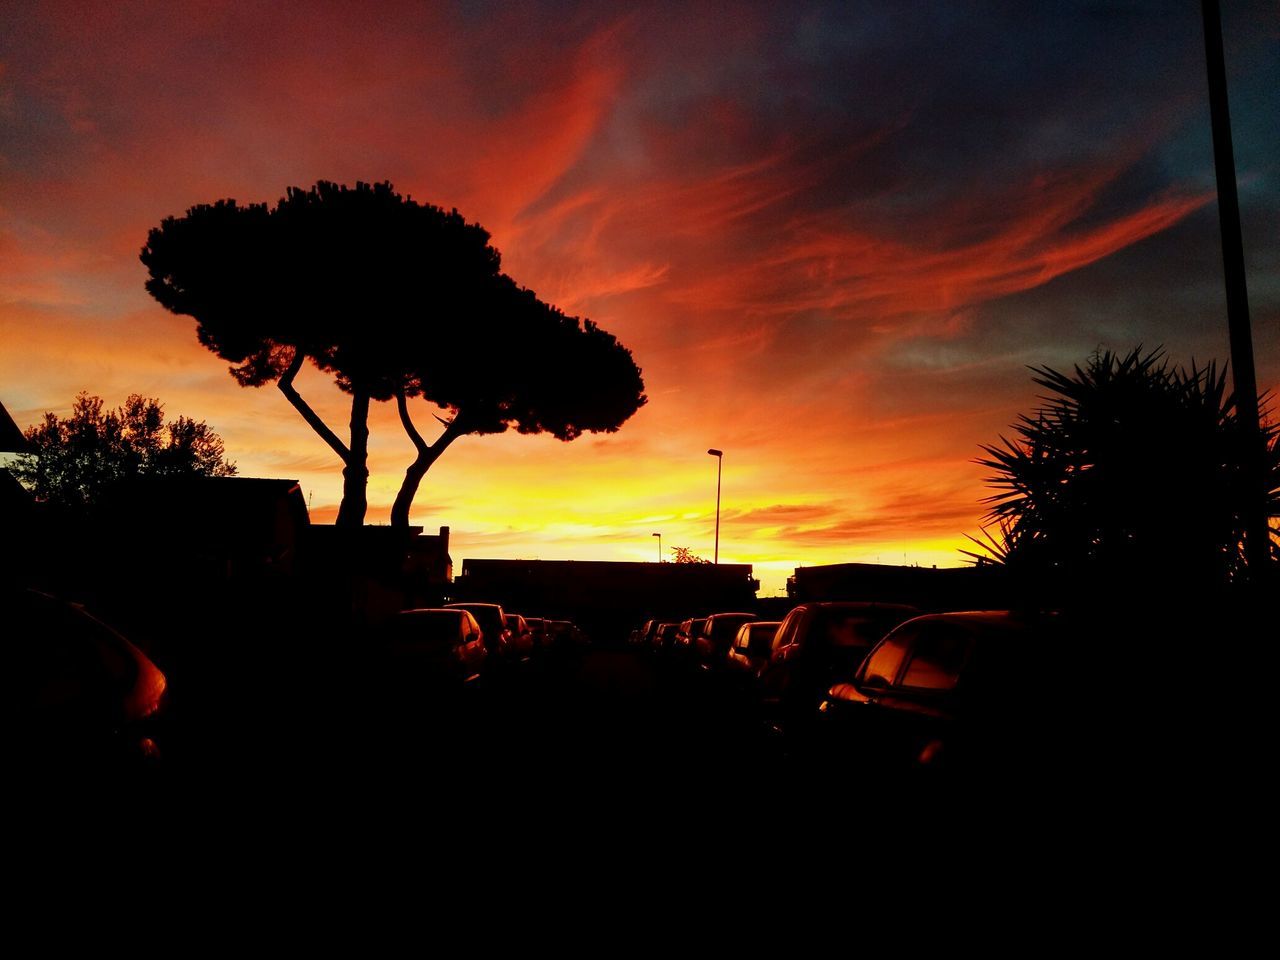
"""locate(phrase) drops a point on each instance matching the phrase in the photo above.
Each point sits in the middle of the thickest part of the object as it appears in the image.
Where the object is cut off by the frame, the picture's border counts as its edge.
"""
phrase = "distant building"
(428, 561)
(376, 571)
(223, 528)
(18, 520)
(930, 588)
(607, 598)
(19, 513)
(11, 438)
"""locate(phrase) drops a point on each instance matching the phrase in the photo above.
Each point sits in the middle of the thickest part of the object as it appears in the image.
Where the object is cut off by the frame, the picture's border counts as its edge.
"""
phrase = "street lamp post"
(1257, 537)
(719, 455)
(659, 536)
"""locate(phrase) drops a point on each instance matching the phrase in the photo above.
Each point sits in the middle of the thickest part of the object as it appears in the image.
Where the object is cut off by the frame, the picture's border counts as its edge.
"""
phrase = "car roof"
(857, 605)
(994, 618)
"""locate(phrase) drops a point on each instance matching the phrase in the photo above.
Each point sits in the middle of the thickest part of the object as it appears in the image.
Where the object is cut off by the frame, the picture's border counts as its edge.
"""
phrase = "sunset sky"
(834, 235)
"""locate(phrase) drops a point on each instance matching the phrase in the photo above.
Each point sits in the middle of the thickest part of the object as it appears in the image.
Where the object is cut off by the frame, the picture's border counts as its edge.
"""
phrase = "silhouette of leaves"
(394, 299)
(1132, 470)
(76, 460)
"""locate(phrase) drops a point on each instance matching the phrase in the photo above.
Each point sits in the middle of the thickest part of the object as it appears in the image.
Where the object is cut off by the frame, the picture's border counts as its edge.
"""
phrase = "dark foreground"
(610, 751)
(599, 720)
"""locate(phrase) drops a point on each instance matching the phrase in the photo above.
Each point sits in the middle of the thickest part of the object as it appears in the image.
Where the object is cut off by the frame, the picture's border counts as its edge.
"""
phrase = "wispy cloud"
(833, 235)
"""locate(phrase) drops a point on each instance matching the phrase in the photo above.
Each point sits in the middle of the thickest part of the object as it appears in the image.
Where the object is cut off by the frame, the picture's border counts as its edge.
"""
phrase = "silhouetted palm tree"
(1131, 474)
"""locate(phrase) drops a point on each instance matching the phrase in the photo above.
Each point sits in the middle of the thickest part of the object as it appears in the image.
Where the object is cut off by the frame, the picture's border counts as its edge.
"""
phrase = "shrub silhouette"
(1132, 473)
(76, 460)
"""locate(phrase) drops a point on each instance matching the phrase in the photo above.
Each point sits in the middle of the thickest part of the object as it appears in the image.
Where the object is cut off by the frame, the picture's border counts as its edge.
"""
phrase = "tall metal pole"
(659, 536)
(1257, 533)
(719, 455)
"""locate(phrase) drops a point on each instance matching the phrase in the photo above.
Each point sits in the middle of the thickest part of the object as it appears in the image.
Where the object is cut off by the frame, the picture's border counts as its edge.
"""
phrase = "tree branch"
(427, 455)
(285, 383)
(453, 429)
(406, 421)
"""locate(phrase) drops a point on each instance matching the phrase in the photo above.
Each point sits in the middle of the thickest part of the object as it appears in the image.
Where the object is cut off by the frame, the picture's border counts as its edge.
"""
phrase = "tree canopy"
(394, 299)
(1133, 471)
(519, 363)
(77, 460)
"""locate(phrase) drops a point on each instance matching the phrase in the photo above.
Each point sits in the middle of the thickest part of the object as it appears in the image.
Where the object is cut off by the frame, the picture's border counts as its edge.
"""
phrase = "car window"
(883, 662)
(489, 618)
(438, 628)
(65, 657)
(743, 640)
(787, 631)
(725, 628)
(850, 629)
(760, 638)
(937, 658)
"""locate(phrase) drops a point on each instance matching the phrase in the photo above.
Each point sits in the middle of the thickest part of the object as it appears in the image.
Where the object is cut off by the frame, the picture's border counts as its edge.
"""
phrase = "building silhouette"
(929, 588)
(608, 598)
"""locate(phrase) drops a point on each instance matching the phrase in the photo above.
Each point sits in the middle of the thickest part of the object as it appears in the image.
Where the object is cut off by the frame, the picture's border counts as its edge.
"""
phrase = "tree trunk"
(427, 455)
(355, 475)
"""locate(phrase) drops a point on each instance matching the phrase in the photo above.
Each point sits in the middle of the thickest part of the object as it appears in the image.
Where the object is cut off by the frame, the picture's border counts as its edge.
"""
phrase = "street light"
(1257, 534)
(659, 536)
(719, 455)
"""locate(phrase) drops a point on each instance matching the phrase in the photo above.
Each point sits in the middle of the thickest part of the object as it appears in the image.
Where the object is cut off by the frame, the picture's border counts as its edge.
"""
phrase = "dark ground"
(595, 720)
(612, 753)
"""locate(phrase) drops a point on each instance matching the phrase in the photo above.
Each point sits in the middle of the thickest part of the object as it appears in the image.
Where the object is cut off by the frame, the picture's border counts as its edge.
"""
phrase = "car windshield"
(68, 657)
(853, 628)
(726, 628)
(939, 655)
(429, 627)
(488, 616)
(753, 636)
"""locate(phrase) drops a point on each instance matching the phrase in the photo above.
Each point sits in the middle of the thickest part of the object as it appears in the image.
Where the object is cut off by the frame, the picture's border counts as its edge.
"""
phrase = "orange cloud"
(737, 212)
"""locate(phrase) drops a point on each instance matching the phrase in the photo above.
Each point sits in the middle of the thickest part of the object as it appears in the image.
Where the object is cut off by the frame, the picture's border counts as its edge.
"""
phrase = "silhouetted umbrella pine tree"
(347, 279)
(507, 359)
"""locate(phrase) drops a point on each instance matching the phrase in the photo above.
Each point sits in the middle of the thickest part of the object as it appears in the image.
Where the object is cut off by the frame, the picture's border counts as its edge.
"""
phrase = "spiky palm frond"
(1130, 463)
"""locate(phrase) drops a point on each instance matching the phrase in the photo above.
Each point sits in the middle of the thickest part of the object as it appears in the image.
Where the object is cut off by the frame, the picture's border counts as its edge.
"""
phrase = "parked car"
(521, 636)
(78, 696)
(711, 645)
(644, 637)
(665, 637)
(689, 631)
(753, 644)
(439, 645)
(493, 624)
(955, 693)
(564, 634)
(817, 645)
(538, 627)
